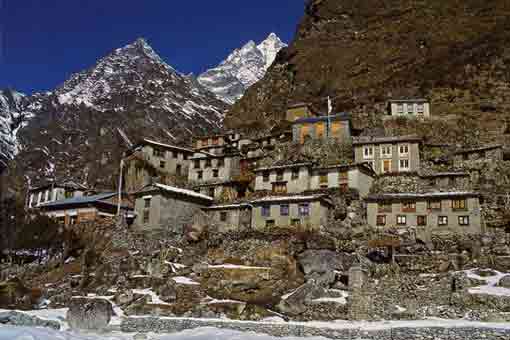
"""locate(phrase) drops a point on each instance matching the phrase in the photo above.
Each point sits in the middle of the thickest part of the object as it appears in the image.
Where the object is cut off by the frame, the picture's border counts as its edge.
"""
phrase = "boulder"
(321, 261)
(296, 302)
(504, 282)
(89, 313)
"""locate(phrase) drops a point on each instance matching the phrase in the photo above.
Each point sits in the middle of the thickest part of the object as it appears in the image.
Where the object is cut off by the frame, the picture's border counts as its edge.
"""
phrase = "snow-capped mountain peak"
(242, 68)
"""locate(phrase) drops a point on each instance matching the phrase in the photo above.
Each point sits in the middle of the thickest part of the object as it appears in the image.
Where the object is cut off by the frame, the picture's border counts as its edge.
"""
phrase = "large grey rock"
(320, 261)
(24, 320)
(504, 281)
(296, 302)
(89, 314)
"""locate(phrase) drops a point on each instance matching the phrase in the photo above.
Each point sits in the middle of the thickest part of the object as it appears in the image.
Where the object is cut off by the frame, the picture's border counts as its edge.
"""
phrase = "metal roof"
(417, 196)
(79, 200)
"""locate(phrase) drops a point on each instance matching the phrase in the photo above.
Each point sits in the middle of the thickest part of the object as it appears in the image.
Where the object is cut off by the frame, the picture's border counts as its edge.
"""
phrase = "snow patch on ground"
(491, 286)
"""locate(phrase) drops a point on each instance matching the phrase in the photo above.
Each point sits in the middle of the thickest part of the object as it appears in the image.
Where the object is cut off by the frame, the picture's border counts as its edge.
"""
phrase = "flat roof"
(363, 165)
(286, 166)
(292, 198)
(179, 191)
(446, 174)
(228, 206)
(409, 100)
(336, 117)
(480, 148)
(167, 146)
(387, 139)
(417, 196)
(63, 184)
(79, 200)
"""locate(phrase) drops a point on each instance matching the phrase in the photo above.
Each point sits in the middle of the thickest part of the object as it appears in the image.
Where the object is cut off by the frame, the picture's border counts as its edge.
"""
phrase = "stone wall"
(171, 325)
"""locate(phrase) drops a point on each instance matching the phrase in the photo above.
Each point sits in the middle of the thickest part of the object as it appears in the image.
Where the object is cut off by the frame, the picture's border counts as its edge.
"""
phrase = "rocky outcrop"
(504, 282)
(354, 52)
(15, 295)
(89, 314)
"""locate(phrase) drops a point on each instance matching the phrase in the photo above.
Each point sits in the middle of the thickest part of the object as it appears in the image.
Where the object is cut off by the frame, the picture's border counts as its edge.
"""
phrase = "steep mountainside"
(12, 117)
(364, 52)
(243, 68)
(77, 130)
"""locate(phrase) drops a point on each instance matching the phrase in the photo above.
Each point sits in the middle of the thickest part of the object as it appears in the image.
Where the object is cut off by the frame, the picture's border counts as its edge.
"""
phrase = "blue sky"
(42, 42)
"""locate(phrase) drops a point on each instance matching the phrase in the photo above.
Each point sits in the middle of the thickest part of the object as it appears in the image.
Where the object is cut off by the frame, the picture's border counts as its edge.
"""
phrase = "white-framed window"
(368, 152)
(386, 151)
(403, 149)
(420, 108)
(442, 220)
(401, 220)
(400, 109)
(464, 220)
(410, 108)
(403, 165)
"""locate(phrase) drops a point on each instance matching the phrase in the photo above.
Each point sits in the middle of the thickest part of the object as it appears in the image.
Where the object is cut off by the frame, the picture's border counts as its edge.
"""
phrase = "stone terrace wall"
(171, 325)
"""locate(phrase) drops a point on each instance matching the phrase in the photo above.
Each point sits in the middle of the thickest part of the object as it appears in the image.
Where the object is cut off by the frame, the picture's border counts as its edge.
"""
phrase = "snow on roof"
(413, 195)
(149, 141)
(182, 191)
(228, 206)
(184, 280)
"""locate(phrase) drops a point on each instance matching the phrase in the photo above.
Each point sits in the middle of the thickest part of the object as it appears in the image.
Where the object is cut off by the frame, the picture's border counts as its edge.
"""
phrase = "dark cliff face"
(364, 52)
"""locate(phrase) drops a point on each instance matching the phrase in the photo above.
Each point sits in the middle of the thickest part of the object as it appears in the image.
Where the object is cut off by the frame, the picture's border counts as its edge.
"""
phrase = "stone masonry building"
(307, 212)
(429, 213)
(150, 161)
(388, 155)
(333, 127)
(165, 208)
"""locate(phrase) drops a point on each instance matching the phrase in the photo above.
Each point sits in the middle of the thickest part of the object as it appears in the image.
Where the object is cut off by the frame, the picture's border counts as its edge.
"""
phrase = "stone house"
(388, 155)
(150, 161)
(54, 191)
(291, 178)
(80, 209)
(301, 177)
(299, 111)
(220, 143)
(301, 213)
(447, 180)
(335, 126)
(359, 177)
(228, 217)
(208, 168)
(411, 108)
(429, 213)
(487, 152)
(165, 208)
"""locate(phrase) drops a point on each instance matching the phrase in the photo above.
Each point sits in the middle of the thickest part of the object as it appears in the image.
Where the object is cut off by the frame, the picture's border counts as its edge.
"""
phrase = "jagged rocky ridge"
(243, 68)
(12, 118)
(74, 131)
(363, 53)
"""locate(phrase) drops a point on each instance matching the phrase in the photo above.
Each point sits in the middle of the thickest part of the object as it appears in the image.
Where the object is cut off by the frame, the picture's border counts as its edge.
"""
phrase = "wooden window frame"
(459, 204)
(266, 176)
(223, 216)
(421, 220)
(146, 216)
(162, 164)
(265, 211)
(386, 207)
(409, 206)
(295, 174)
(380, 220)
(284, 209)
(216, 173)
(369, 148)
(304, 209)
(280, 174)
(431, 202)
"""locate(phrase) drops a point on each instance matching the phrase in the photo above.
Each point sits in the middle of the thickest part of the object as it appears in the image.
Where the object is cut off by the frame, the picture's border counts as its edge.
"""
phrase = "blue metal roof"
(335, 117)
(79, 200)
